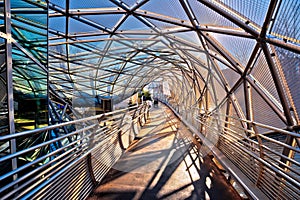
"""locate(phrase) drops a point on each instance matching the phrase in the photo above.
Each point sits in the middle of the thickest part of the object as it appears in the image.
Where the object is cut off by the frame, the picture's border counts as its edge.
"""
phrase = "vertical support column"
(206, 110)
(206, 100)
(9, 82)
(251, 127)
(47, 65)
(248, 104)
(227, 119)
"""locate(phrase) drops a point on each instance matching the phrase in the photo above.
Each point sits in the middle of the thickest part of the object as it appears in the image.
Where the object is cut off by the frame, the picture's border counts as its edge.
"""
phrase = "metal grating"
(287, 23)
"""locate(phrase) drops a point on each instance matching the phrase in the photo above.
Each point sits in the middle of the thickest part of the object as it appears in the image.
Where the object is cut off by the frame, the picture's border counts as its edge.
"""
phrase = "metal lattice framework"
(232, 69)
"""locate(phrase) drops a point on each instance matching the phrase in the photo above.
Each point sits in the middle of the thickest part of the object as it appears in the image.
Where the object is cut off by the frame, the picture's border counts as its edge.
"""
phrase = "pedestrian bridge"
(76, 79)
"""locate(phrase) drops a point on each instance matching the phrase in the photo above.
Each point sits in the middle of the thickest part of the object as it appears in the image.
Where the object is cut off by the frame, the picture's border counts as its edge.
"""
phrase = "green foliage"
(145, 93)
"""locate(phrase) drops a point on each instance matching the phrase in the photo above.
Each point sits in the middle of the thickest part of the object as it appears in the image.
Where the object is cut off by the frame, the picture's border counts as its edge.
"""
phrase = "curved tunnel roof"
(114, 48)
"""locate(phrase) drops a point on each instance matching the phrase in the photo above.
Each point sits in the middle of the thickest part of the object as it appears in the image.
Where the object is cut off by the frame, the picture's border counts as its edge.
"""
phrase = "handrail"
(94, 134)
(51, 127)
(239, 148)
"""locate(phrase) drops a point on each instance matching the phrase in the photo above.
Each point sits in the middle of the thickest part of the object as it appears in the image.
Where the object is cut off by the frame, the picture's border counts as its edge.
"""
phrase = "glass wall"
(3, 91)
(29, 29)
(29, 53)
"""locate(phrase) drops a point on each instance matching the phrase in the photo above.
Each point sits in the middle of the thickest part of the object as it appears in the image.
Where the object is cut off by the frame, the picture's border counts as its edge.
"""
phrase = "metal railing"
(254, 157)
(73, 163)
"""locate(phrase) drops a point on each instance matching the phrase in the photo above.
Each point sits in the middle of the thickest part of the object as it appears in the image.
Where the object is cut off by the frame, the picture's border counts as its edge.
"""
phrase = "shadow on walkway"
(166, 165)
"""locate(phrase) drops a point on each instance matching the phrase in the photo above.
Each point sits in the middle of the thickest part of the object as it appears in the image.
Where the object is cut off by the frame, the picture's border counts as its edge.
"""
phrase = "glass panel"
(3, 90)
(4, 129)
(30, 93)
(30, 76)
(2, 14)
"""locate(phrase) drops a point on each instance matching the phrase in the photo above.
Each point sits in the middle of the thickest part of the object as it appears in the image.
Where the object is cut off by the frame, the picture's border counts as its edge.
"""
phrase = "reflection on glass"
(3, 93)
(30, 77)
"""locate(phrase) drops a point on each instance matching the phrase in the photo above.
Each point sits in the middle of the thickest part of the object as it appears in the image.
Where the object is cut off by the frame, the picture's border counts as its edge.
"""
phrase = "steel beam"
(268, 18)
(227, 114)
(232, 32)
(288, 46)
(103, 39)
(82, 12)
(248, 104)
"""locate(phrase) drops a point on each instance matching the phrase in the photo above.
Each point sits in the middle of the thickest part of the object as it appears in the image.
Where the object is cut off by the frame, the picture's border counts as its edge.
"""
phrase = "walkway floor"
(164, 164)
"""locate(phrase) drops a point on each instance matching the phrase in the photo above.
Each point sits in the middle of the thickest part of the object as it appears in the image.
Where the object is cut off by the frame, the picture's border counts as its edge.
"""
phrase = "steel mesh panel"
(209, 17)
(222, 113)
(290, 63)
(200, 83)
(130, 2)
(171, 8)
(264, 114)
(287, 22)
(162, 25)
(3, 96)
(189, 36)
(61, 4)
(133, 23)
(220, 91)
(57, 23)
(240, 48)
(262, 74)
(203, 72)
(255, 10)
(240, 97)
(213, 49)
(231, 76)
(75, 25)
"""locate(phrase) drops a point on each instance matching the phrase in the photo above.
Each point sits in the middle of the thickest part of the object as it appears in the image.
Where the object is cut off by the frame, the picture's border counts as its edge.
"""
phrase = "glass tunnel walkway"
(75, 76)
